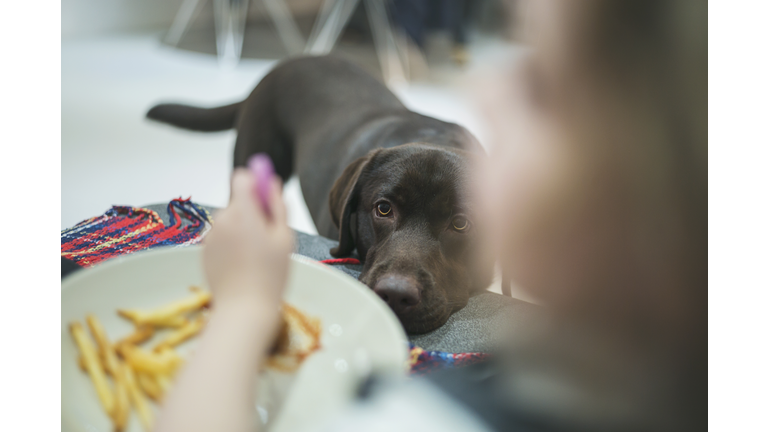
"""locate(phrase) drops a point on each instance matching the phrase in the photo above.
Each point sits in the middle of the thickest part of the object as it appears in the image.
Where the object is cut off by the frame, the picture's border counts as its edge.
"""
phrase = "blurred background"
(120, 57)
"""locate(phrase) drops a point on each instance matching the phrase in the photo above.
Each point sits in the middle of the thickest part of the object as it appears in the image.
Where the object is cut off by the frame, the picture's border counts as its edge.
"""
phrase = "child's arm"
(246, 263)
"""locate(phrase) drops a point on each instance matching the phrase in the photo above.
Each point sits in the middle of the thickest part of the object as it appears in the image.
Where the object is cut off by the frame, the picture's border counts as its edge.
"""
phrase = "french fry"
(137, 398)
(122, 408)
(169, 315)
(122, 398)
(140, 335)
(112, 365)
(106, 352)
(81, 365)
(164, 362)
(181, 334)
(94, 367)
(299, 337)
(149, 386)
(143, 319)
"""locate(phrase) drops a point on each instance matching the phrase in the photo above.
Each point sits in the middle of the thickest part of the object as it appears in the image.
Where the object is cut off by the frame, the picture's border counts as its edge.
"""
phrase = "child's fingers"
(276, 203)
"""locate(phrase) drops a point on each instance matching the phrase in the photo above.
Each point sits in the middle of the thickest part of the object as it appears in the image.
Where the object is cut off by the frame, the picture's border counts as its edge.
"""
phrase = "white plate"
(359, 334)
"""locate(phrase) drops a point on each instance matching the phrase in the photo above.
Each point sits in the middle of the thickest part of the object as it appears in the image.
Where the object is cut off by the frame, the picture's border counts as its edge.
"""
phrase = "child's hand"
(245, 255)
(245, 258)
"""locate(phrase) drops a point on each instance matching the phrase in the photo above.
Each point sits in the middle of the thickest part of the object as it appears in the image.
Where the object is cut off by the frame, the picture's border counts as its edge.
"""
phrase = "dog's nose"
(401, 293)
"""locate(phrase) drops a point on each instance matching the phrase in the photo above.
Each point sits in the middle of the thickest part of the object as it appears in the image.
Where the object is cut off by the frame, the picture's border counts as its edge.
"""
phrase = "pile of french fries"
(138, 374)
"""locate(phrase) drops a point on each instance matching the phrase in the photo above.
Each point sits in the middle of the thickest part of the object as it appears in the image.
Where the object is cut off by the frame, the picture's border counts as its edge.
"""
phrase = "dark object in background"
(416, 17)
(68, 267)
(384, 180)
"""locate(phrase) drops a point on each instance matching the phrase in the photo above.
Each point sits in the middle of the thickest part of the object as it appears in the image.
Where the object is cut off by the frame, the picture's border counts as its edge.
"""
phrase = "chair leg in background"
(229, 18)
(286, 26)
(184, 17)
(390, 57)
(338, 13)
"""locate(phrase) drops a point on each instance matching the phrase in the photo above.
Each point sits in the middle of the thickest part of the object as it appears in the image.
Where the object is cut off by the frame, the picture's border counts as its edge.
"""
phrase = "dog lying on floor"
(384, 180)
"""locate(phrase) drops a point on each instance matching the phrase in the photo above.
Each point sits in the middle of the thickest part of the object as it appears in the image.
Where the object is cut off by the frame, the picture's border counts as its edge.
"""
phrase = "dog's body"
(354, 146)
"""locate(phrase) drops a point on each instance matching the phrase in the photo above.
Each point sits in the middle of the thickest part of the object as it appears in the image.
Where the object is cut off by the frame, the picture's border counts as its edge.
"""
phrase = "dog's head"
(407, 211)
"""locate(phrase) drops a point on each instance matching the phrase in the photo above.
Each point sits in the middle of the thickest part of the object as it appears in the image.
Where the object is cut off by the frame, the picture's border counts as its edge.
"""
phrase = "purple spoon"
(260, 165)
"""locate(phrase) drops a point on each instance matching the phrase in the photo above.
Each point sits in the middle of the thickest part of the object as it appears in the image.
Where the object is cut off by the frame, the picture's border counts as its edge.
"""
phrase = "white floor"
(111, 155)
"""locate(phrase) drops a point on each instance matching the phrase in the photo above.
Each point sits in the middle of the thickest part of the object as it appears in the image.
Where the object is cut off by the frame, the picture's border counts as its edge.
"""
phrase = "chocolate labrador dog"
(384, 180)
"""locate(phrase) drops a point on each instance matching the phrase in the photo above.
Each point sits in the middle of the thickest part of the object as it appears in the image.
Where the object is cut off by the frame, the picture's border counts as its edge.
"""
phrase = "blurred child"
(596, 196)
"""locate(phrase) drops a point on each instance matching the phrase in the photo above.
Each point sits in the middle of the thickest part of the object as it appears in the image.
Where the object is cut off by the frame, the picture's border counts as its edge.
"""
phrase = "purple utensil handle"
(262, 169)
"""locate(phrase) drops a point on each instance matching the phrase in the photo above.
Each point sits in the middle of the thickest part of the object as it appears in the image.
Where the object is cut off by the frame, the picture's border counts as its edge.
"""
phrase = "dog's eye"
(460, 223)
(384, 209)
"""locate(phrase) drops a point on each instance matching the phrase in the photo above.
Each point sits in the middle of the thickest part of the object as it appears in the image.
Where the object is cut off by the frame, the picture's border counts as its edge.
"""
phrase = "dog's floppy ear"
(342, 203)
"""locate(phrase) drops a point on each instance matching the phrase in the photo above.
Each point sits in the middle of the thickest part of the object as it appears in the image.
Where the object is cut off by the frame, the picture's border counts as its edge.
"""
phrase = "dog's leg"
(259, 131)
(255, 138)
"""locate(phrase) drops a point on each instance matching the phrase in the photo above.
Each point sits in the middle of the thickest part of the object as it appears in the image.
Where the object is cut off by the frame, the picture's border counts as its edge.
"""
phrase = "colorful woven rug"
(123, 230)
